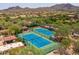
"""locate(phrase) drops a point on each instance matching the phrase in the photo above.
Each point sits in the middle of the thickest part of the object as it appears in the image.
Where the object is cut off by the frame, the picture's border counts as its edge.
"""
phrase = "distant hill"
(64, 7)
(56, 7)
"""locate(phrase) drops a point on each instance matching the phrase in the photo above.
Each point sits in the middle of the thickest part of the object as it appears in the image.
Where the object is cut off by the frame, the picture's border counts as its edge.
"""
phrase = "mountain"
(57, 7)
(13, 8)
(17, 7)
(64, 7)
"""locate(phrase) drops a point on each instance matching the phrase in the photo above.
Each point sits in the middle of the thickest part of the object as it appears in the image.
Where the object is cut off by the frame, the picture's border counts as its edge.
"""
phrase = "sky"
(31, 5)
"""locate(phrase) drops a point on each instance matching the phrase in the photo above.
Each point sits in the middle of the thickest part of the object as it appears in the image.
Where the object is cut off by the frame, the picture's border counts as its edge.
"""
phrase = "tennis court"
(39, 42)
(36, 40)
(43, 31)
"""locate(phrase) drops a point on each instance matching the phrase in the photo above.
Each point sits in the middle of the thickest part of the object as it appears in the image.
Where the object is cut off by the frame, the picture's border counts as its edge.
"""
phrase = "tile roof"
(8, 38)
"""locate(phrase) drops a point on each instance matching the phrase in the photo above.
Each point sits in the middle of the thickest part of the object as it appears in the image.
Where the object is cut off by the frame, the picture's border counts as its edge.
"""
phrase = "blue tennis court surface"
(36, 40)
(44, 31)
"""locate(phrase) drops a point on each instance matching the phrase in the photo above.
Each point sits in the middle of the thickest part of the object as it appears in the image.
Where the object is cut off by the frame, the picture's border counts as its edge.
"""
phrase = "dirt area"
(69, 50)
(55, 52)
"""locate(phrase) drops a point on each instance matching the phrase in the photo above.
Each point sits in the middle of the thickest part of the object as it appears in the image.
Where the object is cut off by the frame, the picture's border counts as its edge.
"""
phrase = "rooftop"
(10, 46)
(8, 38)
